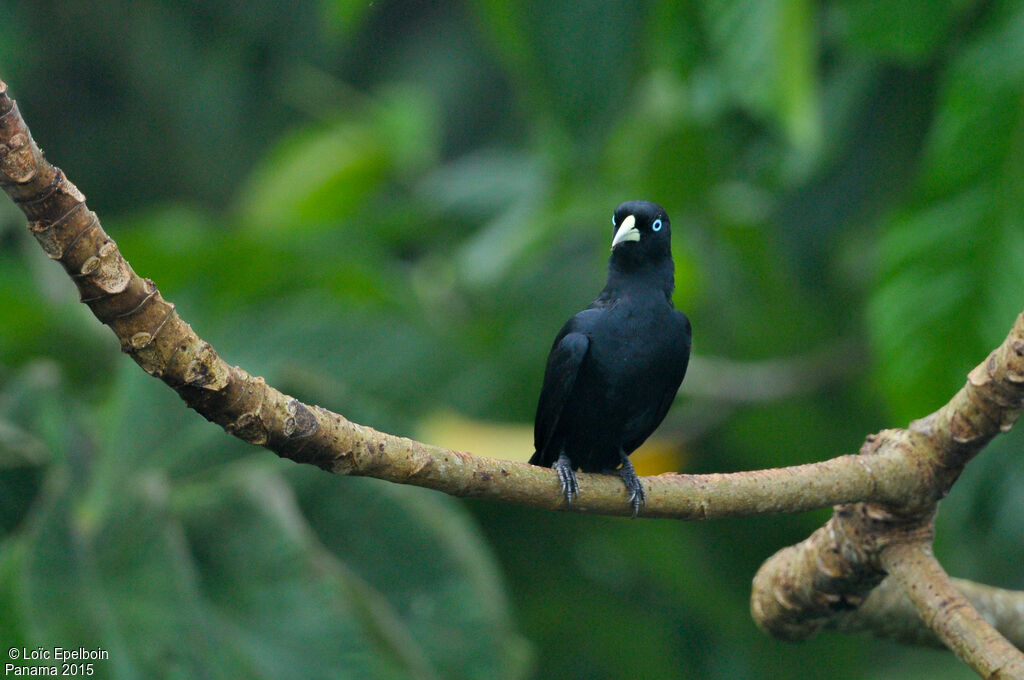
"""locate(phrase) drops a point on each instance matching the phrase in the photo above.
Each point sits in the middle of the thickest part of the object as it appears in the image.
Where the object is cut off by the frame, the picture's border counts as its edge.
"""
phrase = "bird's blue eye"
(613, 221)
(656, 226)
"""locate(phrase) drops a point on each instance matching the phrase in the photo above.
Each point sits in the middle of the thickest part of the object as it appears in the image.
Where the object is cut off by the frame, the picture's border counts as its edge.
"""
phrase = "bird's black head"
(642, 233)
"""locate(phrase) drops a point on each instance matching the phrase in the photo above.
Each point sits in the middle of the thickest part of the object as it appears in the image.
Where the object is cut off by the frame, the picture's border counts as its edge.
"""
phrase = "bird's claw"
(637, 496)
(570, 487)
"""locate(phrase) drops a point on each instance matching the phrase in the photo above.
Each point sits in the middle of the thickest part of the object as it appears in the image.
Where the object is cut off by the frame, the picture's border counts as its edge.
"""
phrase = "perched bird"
(615, 367)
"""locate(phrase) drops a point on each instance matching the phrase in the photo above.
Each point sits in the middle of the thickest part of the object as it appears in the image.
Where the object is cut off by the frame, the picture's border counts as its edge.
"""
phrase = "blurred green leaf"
(951, 261)
(765, 59)
(224, 577)
(320, 174)
(477, 185)
(908, 31)
(123, 583)
(12, 625)
(423, 555)
(345, 16)
(661, 125)
(210, 269)
(573, 60)
(291, 605)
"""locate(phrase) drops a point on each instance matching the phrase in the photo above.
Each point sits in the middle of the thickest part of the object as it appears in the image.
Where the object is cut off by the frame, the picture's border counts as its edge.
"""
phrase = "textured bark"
(889, 613)
(805, 587)
(947, 612)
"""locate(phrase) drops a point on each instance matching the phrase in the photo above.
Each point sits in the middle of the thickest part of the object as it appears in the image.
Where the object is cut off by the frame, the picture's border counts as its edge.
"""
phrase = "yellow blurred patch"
(506, 441)
(656, 456)
(514, 441)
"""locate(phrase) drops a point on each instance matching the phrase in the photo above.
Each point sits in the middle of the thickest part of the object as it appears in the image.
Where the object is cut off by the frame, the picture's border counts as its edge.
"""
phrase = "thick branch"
(946, 611)
(803, 587)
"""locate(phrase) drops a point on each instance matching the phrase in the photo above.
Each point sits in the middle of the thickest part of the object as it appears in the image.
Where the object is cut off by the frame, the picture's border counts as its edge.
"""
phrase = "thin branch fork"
(890, 489)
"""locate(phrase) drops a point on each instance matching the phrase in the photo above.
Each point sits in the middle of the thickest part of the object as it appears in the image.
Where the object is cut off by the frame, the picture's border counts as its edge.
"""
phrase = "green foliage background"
(388, 208)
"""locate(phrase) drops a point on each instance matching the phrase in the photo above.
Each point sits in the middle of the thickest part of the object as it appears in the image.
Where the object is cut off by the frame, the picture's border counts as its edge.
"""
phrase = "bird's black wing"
(564, 362)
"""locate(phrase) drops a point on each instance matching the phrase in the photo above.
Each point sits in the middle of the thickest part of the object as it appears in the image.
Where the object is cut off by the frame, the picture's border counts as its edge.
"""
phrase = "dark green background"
(388, 208)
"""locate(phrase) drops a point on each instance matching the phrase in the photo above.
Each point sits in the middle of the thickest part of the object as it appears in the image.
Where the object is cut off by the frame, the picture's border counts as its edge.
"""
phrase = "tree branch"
(947, 612)
(152, 333)
(886, 495)
(889, 613)
(803, 587)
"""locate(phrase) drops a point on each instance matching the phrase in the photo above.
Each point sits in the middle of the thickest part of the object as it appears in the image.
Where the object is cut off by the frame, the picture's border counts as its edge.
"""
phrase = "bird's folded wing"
(559, 377)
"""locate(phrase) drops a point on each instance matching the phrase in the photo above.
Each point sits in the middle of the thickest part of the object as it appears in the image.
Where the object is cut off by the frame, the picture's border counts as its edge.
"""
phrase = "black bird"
(615, 367)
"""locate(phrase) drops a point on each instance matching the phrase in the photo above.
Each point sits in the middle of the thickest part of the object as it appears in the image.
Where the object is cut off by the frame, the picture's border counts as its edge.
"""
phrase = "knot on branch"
(801, 588)
(920, 481)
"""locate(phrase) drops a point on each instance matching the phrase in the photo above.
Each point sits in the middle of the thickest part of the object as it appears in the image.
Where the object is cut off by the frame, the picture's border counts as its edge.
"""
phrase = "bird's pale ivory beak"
(627, 231)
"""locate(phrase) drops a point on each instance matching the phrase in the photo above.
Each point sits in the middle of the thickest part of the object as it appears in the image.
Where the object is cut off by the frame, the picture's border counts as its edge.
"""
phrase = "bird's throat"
(639, 276)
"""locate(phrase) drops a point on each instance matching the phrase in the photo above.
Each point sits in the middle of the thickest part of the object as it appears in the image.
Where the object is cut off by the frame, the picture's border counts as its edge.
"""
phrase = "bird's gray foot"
(570, 487)
(637, 497)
